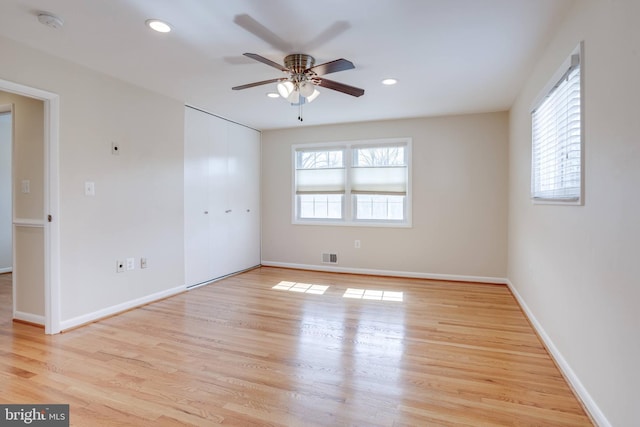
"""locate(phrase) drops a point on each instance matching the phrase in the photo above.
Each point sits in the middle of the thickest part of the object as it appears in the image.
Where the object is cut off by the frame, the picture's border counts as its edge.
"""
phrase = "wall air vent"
(329, 258)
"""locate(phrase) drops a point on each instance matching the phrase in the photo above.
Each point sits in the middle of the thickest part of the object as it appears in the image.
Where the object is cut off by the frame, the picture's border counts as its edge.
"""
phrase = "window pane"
(557, 143)
(319, 159)
(320, 206)
(320, 172)
(379, 207)
(379, 156)
(379, 170)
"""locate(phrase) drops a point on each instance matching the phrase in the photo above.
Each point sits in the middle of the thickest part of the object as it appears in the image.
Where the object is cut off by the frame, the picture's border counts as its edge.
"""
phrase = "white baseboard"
(29, 318)
(392, 273)
(119, 308)
(6, 270)
(594, 411)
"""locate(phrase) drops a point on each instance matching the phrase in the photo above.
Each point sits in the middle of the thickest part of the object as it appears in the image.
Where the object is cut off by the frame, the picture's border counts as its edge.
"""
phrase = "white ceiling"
(450, 56)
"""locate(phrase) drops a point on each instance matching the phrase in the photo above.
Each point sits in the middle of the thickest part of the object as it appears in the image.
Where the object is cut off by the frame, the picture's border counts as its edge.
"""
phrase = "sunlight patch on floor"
(306, 288)
(374, 295)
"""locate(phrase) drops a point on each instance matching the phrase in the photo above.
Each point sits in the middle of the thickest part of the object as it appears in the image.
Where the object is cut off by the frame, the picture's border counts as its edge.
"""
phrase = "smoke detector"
(50, 20)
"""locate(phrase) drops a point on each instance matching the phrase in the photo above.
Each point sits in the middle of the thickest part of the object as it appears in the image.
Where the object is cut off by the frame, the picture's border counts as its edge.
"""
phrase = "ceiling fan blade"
(262, 32)
(332, 67)
(265, 61)
(264, 82)
(333, 31)
(340, 87)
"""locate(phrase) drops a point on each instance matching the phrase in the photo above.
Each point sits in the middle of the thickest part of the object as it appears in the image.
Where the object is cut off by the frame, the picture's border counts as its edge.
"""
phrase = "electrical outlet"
(119, 266)
(131, 264)
(356, 244)
(143, 262)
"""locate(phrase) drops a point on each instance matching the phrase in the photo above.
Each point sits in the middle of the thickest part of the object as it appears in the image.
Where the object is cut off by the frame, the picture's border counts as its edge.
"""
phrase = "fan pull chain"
(300, 112)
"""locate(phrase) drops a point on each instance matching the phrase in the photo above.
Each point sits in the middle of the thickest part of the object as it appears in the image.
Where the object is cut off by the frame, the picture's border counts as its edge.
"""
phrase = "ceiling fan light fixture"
(313, 96)
(285, 89)
(307, 89)
(294, 97)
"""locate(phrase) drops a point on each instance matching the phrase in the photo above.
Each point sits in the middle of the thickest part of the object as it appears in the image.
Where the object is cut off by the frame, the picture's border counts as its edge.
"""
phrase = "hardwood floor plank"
(241, 353)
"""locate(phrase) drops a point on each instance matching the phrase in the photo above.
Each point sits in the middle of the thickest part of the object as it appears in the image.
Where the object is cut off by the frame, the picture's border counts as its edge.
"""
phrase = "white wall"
(459, 200)
(137, 210)
(577, 268)
(6, 261)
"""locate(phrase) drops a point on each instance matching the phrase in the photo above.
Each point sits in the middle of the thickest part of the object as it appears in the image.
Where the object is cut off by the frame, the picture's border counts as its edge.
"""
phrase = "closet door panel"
(220, 233)
(196, 201)
(244, 155)
(252, 195)
(236, 188)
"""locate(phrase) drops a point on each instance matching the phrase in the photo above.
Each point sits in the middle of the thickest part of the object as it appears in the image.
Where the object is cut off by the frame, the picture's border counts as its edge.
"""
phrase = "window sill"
(561, 202)
(339, 223)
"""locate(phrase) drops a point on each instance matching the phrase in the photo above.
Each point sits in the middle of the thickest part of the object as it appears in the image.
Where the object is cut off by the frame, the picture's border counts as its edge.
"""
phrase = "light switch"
(26, 186)
(89, 188)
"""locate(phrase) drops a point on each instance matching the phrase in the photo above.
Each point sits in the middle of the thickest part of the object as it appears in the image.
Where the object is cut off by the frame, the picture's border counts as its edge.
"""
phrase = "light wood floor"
(240, 353)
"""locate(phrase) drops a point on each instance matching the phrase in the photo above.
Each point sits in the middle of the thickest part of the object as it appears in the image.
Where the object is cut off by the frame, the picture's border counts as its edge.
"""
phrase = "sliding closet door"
(198, 244)
(220, 213)
(244, 190)
(222, 197)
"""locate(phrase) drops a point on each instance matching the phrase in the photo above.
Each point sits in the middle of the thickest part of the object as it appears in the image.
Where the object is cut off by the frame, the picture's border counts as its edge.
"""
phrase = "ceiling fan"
(302, 76)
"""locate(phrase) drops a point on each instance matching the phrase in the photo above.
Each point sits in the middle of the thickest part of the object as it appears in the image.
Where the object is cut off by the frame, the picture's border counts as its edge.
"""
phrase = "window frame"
(548, 89)
(348, 199)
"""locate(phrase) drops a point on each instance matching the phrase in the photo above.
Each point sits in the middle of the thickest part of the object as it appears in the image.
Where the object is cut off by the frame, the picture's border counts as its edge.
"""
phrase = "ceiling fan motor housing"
(299, 62)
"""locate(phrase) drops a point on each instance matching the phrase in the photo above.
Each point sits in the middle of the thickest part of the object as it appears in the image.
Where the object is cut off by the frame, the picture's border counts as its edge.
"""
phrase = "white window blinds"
(379, 170)
(320, 172)
(390, 180)
(556, 140)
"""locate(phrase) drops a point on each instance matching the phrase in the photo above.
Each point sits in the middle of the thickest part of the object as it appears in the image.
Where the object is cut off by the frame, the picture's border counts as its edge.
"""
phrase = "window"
(320, 183)
(557, 139)
(379, 182)
(357, 183)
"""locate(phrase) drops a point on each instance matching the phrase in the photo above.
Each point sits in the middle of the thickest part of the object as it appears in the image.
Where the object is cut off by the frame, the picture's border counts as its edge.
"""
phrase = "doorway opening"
(6, 203)
(39, 228)
(6, 240)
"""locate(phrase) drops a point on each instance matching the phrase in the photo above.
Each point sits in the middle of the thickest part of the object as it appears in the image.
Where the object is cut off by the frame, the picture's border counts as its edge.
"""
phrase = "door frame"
(51, 199)
(8, 109)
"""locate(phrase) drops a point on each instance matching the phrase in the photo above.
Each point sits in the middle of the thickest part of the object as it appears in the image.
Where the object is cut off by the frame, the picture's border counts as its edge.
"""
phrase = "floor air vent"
(330, 258)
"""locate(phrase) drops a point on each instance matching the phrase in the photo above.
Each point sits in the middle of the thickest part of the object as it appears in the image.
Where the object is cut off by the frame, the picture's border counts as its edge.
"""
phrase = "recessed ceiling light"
(273, 95)
(158, 25)
(389, 82)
